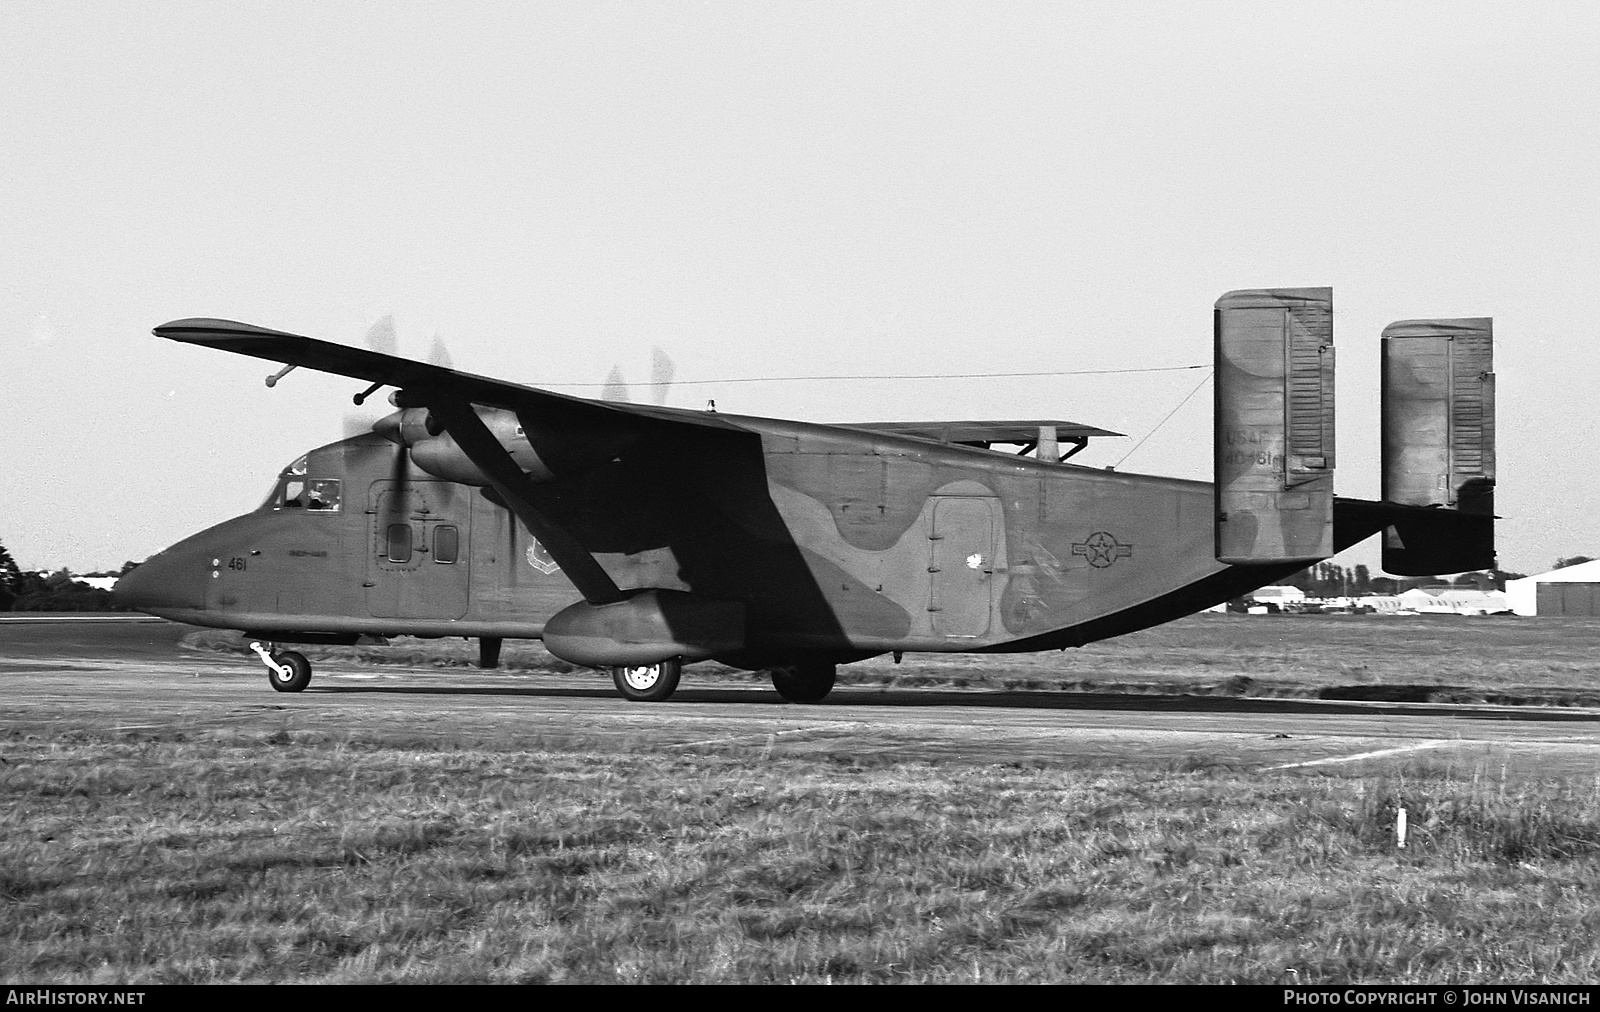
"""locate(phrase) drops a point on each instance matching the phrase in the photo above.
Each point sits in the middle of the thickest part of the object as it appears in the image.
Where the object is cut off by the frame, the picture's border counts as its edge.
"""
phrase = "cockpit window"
(323, 494)
(294, 491)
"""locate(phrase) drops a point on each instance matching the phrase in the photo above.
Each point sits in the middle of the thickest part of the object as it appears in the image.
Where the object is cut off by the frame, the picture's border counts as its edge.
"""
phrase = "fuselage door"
(962, 561)
(418, 565)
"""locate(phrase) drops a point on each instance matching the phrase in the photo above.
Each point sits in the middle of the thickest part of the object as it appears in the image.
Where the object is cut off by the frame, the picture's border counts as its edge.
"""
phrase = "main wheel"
(648, 683)
(299, 672)
(804, 683)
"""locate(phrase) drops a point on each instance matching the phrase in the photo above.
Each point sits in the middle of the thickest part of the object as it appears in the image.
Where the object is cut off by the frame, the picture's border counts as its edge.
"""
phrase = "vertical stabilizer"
(1438, 442)
(1274, 426)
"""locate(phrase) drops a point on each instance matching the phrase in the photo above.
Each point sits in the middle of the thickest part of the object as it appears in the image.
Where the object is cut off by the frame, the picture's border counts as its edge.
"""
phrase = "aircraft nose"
(167, 583)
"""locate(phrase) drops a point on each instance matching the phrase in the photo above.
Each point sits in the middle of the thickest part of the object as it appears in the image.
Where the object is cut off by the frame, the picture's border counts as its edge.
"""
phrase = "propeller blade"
(356, 424)
(381, 337)
(401, 489)
(439, 355)
(615, 389)
(661, 372)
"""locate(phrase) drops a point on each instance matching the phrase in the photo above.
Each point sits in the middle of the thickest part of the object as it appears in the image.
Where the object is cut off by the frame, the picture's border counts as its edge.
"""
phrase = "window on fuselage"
(446, 544)
(399, 543)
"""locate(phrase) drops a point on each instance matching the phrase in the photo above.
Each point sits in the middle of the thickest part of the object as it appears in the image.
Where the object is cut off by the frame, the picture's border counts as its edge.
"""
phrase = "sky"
(773, 190)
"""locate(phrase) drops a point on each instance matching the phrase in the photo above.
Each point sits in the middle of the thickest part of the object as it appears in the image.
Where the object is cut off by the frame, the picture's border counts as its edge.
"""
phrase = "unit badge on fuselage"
(1102, 549)
(540, 559)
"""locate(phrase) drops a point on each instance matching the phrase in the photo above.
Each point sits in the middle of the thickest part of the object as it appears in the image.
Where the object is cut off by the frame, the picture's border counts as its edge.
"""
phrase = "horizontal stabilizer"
(985, 432)
(1438, 443)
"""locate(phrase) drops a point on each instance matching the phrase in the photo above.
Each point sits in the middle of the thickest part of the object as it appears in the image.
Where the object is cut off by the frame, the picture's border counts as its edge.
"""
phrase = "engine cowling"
(434, 450)
(542, 448)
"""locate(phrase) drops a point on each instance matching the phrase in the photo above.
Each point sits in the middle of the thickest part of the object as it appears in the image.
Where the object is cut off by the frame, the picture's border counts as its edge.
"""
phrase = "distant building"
(1278, 595)
(1383, 604)
(1574, 590)
(1454, 601)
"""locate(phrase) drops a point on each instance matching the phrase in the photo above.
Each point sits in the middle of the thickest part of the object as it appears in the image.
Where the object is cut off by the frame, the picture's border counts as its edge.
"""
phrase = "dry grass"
(1440, 658)
(140, 860)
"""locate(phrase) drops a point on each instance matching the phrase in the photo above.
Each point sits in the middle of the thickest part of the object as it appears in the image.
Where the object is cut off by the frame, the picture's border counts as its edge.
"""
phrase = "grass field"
(1441, 658)
(276, 854)
(167, 861)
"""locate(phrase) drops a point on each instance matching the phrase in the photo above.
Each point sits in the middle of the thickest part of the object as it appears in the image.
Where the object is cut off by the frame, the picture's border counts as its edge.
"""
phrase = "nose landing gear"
(288, 671)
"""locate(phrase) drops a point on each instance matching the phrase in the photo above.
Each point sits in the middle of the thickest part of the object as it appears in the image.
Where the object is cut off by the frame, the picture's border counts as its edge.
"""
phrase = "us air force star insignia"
(1102, 549)
(540, 559)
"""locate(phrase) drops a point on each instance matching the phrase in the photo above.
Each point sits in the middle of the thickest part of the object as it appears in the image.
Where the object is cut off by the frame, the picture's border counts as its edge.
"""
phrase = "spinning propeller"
(661, 372)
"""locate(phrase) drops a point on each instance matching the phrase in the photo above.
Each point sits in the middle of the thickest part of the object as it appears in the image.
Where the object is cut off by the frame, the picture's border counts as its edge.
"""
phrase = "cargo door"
(418, 562)
(961, 564)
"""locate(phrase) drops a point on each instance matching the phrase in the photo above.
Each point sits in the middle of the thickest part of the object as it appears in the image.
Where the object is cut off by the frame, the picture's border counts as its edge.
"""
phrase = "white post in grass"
(1400, 827)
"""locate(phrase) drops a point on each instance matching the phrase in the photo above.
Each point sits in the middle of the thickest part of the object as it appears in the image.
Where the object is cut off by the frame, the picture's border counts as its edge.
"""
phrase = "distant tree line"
(1329, 579)
(21, 590)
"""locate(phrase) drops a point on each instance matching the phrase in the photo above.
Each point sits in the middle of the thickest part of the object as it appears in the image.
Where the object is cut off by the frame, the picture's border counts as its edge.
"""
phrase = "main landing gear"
(648, 683)
(807, 682)
(288, 671)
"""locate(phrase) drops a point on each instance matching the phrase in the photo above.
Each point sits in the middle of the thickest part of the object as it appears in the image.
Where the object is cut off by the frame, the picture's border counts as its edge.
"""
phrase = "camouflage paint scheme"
(839, 542)
(488, 509)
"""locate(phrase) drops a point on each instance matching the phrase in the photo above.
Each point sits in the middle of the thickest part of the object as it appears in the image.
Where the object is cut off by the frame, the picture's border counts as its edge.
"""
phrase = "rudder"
(1438, 444)
(1273, 449)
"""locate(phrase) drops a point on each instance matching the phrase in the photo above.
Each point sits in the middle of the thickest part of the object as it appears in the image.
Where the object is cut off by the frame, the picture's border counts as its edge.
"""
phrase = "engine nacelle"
(542, 447)
(434, 450)
(646, 628)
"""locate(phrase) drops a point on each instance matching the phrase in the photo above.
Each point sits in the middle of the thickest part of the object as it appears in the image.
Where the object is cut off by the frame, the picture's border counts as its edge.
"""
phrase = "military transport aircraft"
(639, 538)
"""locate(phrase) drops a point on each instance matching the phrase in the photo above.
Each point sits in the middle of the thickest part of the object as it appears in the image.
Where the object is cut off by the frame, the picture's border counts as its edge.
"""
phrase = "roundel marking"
(540, 559)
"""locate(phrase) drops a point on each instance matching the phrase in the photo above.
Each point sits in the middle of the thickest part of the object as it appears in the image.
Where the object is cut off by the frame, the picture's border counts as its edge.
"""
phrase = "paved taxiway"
(133, 677)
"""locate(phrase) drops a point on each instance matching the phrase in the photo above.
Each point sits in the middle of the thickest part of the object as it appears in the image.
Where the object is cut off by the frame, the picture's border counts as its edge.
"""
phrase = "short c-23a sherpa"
(637, 539)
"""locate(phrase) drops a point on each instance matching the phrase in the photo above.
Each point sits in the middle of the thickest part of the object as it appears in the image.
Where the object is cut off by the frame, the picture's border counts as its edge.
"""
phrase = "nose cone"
(169, 585)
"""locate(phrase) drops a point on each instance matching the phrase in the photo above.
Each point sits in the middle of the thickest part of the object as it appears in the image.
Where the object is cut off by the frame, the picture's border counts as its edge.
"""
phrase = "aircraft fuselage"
(837, 541)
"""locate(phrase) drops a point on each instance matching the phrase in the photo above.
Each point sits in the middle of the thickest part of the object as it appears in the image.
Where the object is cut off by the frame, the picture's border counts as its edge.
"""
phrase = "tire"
(804, 683)
(300, 672)
(648, 683)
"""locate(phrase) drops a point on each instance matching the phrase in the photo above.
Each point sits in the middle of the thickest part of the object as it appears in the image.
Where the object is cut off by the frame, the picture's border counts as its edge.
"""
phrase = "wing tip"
(207, 330)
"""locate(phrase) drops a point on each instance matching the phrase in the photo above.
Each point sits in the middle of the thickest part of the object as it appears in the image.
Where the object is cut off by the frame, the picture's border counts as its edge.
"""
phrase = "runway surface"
(132, 677)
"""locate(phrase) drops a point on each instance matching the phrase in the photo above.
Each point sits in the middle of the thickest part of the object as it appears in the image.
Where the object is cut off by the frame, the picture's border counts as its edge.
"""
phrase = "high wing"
(449, 395)
(405, 374)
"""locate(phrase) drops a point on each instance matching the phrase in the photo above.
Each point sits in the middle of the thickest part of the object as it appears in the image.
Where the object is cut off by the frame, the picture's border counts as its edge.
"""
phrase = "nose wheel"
(648, 683)
(288, 671)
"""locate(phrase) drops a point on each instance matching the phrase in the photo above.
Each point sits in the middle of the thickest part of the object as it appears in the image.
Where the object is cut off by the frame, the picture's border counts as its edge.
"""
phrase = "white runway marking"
(771, 734)
(1365, 755)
